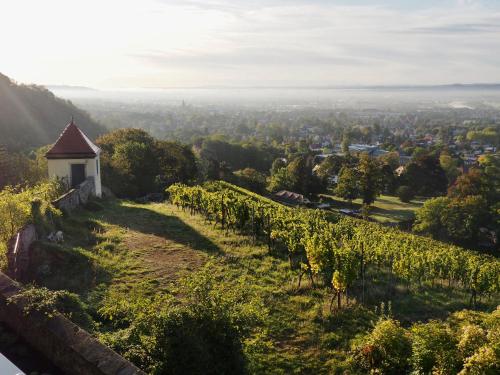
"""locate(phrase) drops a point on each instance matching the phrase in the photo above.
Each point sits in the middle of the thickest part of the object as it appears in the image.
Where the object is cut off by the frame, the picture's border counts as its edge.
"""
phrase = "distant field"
(386, 209)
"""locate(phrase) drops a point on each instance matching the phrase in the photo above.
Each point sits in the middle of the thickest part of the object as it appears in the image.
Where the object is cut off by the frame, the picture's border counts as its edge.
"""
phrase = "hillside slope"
(32, 116)
(125, 251)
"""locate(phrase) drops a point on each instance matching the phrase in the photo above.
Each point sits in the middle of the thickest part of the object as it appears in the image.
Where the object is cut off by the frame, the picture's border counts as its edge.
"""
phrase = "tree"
(134, 164)
(458, 220)
(470, 183)
(425, 176)
(176, 163)
(303, 180)
(405, 193)
(370, 179)
(251, 179)
(388, 179)
(347, 186)
(428, 217)
(462, 218)
(330, 166)
(346, 141)
(277, 164)
(281, 180)
(450, 166)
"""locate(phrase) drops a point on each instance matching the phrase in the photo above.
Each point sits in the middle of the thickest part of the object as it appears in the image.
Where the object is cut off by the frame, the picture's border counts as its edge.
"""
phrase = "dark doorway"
(77, 174)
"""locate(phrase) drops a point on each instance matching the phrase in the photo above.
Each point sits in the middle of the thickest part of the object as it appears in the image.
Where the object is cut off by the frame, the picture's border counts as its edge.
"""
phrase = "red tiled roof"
(72, 144)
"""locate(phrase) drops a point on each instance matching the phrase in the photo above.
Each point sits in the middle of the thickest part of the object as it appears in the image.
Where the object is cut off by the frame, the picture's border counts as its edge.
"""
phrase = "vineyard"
(338, 251)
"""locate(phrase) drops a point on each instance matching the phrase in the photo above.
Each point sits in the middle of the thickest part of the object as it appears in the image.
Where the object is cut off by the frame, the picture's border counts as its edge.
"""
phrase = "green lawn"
(386, 209)
(133, 248)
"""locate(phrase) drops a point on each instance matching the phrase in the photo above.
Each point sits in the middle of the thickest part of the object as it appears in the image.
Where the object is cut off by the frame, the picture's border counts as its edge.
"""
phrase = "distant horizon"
(317, 87)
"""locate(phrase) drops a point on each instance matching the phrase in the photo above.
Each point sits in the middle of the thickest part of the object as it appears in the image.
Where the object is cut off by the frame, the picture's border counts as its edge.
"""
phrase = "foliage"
(458, 220)
(280, 180)
(466, 343)
(251, 179)
(300, 174)
(16, 209)
(326, 245)
(450, 166)
(370, 179)
(134, 163)
(17, 168)
(49, 303)
(405, 193)
(385, 350)
(434, 349)
(200, 335)
(347, 185)
(237, 156)
(425, 176)
(330, 166)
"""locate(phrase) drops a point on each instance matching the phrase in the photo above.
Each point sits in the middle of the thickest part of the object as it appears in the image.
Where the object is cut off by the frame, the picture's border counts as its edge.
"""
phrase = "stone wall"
(76, 197)
(18, 251)
(69, 347)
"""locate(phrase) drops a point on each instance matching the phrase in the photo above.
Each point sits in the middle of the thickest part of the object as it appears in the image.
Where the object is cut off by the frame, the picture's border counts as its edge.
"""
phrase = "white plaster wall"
(61, 168)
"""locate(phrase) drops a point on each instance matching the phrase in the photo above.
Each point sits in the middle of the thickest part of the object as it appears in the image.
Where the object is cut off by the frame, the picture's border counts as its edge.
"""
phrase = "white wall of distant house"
(61, 168)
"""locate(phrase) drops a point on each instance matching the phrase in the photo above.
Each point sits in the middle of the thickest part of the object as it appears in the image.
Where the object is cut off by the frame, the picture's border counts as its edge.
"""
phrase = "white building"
(74, 159)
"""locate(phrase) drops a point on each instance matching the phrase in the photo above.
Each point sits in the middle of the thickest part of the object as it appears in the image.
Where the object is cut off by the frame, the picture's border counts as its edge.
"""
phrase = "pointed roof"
(73, 144)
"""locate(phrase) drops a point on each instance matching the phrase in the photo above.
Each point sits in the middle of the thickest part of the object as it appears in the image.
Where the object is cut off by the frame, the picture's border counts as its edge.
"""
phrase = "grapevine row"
(340, 250)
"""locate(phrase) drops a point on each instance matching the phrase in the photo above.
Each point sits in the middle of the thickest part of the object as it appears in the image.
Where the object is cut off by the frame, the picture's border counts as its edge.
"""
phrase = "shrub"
(385, 350)
(405, 193)
(201, 335)
(434, 349)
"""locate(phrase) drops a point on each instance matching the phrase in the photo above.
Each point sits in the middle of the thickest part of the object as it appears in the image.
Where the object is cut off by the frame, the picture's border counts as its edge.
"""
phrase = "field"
(386, 209)
(145, 248)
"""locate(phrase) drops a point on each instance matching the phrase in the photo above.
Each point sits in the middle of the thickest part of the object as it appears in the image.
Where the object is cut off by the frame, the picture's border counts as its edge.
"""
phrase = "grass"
(127, 247)
(386, 208)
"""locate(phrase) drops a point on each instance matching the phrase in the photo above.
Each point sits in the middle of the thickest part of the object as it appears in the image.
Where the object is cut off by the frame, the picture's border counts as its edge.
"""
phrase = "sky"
(197, 43)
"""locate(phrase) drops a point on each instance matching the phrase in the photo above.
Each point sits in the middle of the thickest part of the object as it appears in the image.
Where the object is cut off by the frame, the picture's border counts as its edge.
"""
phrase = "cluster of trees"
(296, 176)
(467, 343)
(21, 169)
(134, 163)
(470, 211)
(487, 135)
(364, 179)
(236, 156)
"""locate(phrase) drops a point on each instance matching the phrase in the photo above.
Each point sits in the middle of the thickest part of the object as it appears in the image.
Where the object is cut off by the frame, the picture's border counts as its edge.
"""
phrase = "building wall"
(61, 168)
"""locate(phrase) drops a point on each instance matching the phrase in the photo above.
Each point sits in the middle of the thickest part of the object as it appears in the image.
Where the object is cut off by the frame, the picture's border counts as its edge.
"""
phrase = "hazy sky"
(164, 43)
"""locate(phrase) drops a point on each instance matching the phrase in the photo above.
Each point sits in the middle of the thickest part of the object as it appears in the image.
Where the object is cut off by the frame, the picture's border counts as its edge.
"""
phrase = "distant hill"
(32, 116)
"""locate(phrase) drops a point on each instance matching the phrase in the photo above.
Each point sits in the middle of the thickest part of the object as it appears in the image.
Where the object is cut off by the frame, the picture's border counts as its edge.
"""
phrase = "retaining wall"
(69, 347)
(76, 197)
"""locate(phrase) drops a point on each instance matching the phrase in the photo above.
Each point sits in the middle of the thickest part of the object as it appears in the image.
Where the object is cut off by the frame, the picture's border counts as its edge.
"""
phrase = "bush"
(49, 303)
(405, 193)
(434, 349)
(201, 335)
(385, 350)
(19, 207)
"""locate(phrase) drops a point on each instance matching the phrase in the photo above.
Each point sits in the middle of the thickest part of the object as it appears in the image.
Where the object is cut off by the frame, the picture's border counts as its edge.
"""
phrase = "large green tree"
(425, 176)
(370, 179)
(134, 164)
(347, 185)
